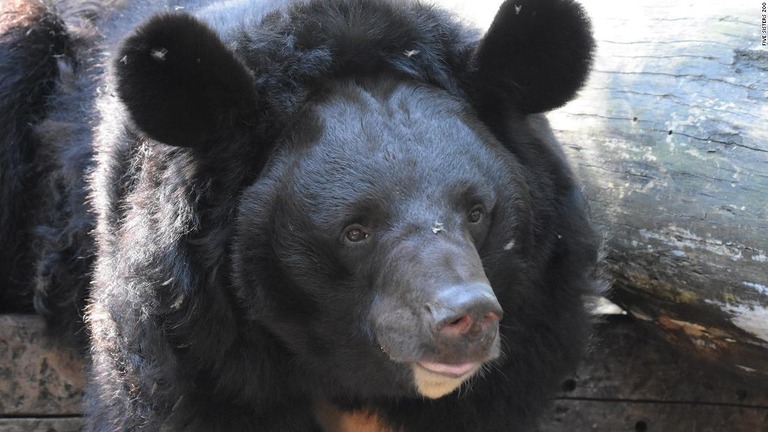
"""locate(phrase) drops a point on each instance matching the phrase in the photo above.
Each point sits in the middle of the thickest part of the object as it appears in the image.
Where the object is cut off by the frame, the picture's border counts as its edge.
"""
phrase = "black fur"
(44, 155)
(31, 38)
(535, 64)
(231, 154)
(180, 83)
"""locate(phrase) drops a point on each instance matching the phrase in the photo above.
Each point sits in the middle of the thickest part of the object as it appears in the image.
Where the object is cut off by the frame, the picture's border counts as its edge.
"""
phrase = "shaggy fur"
(234, 148)
(31, 38)
(45, 152)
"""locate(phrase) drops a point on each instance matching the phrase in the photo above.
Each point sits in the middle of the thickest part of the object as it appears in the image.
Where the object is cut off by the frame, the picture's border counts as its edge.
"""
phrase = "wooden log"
(634, 381)
(63, 424)
(671, 137)
(37, 379)
(631, 380)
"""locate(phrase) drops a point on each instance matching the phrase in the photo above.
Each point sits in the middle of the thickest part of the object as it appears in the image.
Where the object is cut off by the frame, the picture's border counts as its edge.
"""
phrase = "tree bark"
(670, 136)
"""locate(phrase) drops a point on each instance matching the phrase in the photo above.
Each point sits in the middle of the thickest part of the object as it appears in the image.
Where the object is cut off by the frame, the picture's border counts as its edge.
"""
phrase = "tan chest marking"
(333, 419)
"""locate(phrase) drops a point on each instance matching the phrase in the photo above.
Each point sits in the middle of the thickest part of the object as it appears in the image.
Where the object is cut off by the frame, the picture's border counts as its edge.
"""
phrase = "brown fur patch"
(19, 13)
(334, 419)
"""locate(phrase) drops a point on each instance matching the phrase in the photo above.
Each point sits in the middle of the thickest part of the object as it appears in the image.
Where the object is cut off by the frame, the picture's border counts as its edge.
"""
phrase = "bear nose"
(465, 312)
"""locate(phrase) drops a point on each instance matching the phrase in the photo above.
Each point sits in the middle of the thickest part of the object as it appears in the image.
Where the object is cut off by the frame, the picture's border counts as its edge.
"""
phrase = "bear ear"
(181, 85)
(535, 56)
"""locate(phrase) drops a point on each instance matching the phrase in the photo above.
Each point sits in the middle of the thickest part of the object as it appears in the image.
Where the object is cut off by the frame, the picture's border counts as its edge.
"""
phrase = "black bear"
(299, 216)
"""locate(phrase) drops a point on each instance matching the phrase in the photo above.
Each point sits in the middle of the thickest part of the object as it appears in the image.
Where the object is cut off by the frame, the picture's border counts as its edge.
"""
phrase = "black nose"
(465, 314)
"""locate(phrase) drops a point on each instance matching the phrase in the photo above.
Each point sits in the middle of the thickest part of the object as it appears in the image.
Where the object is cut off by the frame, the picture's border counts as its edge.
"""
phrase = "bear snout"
(438, 305)
(450, 325)
(446, 339)
(465, 321)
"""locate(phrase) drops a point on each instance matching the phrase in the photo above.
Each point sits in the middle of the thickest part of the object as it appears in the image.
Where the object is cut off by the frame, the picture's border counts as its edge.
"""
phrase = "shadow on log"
(630, 381)
(634, 382)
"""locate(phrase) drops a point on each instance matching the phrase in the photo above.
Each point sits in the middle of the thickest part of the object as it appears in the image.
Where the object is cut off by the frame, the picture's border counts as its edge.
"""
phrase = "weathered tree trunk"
(671, 137)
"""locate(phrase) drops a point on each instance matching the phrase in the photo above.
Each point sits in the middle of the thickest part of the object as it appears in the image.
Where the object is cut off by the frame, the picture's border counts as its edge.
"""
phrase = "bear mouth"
(434, 380)
(451, 370)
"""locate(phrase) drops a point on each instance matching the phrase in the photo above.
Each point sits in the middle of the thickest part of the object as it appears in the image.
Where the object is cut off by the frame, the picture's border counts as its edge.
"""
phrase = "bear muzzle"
(436, 312)
(458, 332)
(464, 322)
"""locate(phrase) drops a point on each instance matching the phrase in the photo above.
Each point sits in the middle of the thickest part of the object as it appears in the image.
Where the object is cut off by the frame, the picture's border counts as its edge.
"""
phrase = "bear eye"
(356, 234)
(476, 214)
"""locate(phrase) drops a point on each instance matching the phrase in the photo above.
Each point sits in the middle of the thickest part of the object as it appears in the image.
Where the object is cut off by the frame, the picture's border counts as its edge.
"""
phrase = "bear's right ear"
(535, 56)
(182, 86)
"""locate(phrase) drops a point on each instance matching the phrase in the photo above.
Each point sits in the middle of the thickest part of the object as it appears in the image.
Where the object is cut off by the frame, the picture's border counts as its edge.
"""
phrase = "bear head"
(397, 213)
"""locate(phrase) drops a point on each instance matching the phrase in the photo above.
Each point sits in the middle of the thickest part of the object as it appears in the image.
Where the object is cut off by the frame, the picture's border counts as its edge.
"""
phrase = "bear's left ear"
(535, 56)
(182, 86)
